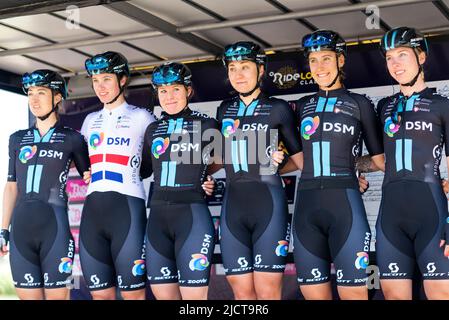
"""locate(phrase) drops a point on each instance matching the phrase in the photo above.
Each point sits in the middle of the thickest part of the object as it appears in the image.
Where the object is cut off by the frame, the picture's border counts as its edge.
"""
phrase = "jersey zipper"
(403, 135)
(321, 140)
(35, 161)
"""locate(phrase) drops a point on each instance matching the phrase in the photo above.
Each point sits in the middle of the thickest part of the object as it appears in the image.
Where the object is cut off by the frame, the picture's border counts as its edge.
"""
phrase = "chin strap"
(53, 107)
(247, 94)
(336, 77)
(120, 92)
(413, 81)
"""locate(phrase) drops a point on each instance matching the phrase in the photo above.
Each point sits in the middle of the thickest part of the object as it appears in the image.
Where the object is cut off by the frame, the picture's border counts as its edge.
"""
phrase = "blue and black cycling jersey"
(40, 165)
(333, 125)
(252, 132)
(414, 133)
(42, 247)
(175, 151)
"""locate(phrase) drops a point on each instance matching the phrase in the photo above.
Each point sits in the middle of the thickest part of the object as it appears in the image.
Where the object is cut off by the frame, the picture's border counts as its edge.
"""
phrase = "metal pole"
(210, 26)
(144, 66)
(295, 15)
(82, 43)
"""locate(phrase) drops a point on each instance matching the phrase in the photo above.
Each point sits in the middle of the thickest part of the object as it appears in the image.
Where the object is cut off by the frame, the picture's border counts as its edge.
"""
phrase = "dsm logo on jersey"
(118, 141)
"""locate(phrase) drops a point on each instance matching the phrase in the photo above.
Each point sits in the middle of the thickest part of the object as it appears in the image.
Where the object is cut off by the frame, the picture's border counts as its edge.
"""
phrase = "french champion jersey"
(115, 141)
(414, 144)
(40, 164)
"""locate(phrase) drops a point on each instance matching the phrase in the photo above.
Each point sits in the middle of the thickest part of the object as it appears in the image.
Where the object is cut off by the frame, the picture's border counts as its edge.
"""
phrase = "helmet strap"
(420, 69)
(247, 94)
(119, 93)
(53, 108)
(337, 76)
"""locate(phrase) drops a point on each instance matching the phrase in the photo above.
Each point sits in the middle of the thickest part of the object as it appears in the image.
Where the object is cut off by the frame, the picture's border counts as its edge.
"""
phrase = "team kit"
(254, 138)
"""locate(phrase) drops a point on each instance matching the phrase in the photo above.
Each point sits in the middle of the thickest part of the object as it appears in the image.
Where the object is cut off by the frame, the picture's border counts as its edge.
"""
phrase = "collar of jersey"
(426, 92)
(116, 110)
(260, 97)
(331, 93)
(57, 124)
(182, 114)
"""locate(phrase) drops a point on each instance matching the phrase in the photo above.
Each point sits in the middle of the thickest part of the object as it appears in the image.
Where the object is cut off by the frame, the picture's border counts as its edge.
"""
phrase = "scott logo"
(431, 267)
(339, 274)
(316, 273)
(393, 267)
(258, 259)
(94, 279)
(338, 127)
(118, 141)
(242, 262)
(28, 277)
(165, 271)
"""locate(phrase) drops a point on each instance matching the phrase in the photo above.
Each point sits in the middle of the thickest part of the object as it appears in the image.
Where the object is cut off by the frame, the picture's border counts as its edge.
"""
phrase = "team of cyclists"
(120, 248)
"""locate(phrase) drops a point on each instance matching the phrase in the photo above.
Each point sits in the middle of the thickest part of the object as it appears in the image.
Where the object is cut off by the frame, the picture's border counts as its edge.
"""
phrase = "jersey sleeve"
(211, 125)
(284, 119)
(84, 127)
(445, 122)
(220, 111)
(146, 167)
(12, 158)
(80, 153)
(371, 128)
(146, 119)
(298, 108)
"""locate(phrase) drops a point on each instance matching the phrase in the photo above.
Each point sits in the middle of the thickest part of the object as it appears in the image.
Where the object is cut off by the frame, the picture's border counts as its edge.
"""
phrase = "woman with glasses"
(413, 224)
(330, 223)
(254, 223)
(35, 202)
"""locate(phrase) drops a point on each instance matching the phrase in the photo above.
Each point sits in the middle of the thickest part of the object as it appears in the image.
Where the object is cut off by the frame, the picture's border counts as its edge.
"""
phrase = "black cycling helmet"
(49, 79)
(405, 37)
(244, 50)
(323, 40)
(45, 78)
(107, 62)
(171, 73)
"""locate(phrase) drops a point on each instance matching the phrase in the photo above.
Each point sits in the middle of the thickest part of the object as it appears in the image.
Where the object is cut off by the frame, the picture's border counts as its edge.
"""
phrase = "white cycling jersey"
(115, 140)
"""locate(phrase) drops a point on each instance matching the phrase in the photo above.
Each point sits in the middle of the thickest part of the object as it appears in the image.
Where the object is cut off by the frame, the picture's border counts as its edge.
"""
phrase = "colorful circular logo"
(229, 127)
(390, 127)
(199, 262)
(66, 265)
(362, 260)
(159, 146)
(282, 248)
(26, 153)
(139, 267)
(96, 139)
(309, 126)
